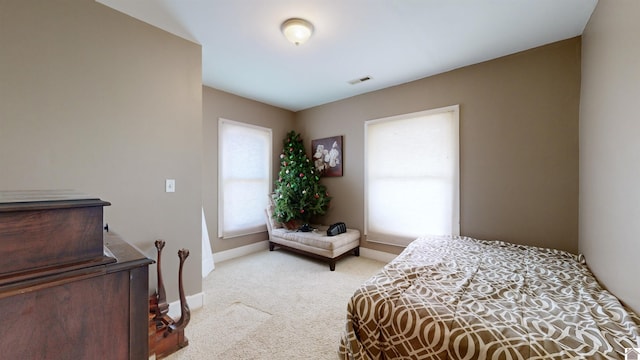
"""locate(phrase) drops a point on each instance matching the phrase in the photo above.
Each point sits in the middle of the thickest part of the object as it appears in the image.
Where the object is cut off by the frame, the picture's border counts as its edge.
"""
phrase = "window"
(412, 176)
(244, 177)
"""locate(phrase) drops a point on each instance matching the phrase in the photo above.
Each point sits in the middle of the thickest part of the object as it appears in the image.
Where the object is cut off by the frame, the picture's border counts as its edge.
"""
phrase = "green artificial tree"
(298, 195)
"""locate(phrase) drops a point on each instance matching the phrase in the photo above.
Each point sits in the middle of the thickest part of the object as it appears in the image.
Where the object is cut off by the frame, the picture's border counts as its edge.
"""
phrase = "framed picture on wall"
(327, 155)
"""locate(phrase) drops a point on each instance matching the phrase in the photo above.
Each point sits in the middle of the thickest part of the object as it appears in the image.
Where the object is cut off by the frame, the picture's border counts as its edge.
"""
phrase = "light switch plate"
(170, 185)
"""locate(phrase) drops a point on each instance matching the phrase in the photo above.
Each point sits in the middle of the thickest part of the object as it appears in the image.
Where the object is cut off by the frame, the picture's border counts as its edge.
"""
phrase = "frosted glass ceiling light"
(298, 31)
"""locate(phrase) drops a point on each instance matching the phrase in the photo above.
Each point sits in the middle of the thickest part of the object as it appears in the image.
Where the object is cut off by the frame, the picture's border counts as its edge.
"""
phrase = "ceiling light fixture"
(296, 30)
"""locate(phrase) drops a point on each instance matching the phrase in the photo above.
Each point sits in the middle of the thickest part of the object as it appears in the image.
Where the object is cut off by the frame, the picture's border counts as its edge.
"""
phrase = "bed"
(461, 298)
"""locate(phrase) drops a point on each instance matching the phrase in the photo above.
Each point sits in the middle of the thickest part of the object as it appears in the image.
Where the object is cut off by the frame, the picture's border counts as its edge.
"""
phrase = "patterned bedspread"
(462, 298)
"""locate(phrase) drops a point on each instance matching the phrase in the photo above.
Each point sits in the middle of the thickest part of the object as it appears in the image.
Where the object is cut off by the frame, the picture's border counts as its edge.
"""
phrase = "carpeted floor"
(274, 305)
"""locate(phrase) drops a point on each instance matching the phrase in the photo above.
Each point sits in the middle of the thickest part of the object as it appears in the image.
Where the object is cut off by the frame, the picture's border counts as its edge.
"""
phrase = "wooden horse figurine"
(166, 335)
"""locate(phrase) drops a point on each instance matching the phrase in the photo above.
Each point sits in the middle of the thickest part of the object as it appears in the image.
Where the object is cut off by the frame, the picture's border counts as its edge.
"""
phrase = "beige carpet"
(274, 305)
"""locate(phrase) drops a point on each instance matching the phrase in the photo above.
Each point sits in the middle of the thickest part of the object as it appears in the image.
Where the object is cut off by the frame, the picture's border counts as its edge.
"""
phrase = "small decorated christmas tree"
(298, 194)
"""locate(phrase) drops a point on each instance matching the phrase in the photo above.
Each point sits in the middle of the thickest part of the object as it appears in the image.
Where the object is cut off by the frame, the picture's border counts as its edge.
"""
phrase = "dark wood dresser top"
(46, 199)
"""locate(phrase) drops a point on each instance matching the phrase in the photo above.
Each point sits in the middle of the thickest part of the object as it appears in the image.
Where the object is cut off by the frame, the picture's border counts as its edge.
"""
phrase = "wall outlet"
(170, 185)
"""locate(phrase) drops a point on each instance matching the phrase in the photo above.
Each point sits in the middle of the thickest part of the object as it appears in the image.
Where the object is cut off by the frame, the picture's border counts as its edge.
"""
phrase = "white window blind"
(244, 177)
(412, 176)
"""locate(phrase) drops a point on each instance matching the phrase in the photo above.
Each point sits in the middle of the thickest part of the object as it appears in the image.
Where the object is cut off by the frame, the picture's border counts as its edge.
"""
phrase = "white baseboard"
(195, 301)
(263, 245)
(377, 255)
(240, 251)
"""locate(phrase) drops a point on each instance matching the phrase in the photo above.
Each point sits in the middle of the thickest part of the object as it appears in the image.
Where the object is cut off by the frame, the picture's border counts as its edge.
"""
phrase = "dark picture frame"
(327, 155)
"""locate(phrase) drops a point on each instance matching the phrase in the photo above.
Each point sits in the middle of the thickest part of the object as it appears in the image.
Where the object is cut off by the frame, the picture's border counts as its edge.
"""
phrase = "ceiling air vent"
(360, 80)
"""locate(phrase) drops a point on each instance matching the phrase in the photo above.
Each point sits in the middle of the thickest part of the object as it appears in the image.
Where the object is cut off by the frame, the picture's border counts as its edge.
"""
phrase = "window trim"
(455, 229)
(269, 155)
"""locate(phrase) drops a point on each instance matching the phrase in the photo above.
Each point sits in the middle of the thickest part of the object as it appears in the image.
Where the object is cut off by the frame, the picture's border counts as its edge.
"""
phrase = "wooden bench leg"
(331, 261)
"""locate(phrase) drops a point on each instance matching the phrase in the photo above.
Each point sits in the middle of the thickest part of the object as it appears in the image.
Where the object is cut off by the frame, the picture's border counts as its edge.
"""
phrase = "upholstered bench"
(315, 243)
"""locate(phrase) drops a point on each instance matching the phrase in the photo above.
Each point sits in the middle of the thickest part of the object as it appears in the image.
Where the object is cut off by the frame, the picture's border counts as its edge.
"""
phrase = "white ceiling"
(392, 41)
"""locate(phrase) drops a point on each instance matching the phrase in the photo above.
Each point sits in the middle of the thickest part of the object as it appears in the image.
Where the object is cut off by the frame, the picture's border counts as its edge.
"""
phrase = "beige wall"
(519, 144)
(610, 148)
(93, 100)
(218, 104)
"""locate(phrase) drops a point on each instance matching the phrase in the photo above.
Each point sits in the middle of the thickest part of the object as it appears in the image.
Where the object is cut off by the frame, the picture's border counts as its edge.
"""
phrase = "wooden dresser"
(68, 289)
